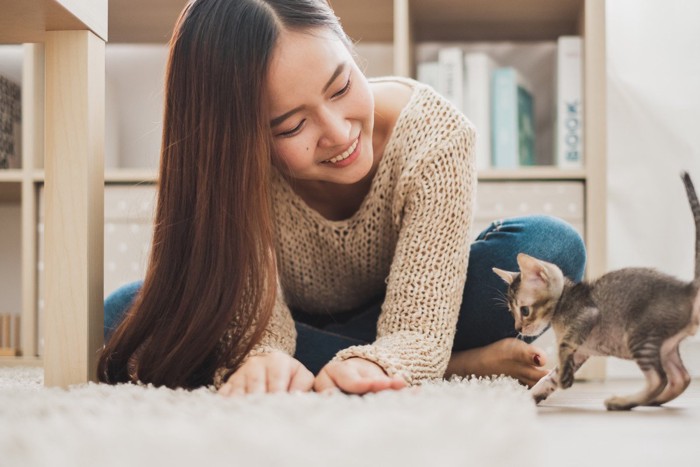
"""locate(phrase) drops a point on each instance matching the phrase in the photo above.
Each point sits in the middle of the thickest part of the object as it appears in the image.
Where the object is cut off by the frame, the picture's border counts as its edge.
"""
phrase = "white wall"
(134, 104)
(653, 134)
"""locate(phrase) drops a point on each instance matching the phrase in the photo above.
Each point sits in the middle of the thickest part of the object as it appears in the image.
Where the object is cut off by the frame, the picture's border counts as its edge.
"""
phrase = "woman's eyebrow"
(278, 120)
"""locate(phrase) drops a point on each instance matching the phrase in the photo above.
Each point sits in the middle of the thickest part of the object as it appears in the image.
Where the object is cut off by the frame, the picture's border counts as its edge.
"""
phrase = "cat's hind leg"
(649, 361)
(678, 376)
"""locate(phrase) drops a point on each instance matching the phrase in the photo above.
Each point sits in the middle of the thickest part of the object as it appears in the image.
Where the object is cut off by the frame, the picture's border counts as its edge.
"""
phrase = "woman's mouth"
(347, 153)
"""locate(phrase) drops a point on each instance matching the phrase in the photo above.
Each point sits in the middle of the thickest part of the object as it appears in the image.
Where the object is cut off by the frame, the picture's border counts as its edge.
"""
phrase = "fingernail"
(537, 360)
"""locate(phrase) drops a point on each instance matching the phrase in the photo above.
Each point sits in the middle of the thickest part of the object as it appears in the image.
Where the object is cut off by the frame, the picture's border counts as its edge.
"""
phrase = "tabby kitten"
(637, 314)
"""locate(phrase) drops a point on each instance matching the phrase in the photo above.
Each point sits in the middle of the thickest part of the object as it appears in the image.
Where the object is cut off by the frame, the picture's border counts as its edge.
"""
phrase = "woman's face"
(321, 109)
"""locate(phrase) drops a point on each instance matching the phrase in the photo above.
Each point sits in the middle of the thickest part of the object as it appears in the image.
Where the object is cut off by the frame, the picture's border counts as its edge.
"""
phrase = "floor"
(583, 433)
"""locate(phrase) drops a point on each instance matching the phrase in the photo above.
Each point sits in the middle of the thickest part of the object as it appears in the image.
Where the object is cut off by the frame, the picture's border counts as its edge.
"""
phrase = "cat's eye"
(525, 311)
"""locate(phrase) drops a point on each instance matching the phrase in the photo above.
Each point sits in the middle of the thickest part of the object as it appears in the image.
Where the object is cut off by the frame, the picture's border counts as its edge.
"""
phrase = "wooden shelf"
(152, 21)
(401, 23)
(10, 175)
(533, 173)
(487, 20)
(21, 361)
(28, 20)
(131, 176)
(115, 176)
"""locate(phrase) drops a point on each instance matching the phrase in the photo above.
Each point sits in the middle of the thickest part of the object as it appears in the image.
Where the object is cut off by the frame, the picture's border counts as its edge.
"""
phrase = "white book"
(479, 67)
(451, 76)
(569, 129)
(429, 73)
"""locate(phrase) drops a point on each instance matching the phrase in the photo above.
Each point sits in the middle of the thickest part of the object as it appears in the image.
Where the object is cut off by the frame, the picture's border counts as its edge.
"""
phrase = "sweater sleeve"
(280, 334)
(416, 327)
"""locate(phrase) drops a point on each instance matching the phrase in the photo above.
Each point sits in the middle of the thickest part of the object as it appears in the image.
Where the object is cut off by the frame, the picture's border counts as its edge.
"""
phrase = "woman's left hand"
(356, 376)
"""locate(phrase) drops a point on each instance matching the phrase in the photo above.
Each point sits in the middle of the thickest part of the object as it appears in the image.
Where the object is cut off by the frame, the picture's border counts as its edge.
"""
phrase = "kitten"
(635, 313)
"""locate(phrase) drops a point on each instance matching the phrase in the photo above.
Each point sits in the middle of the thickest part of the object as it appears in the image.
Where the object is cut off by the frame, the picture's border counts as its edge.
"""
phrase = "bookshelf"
(62, 107)
(398, 27)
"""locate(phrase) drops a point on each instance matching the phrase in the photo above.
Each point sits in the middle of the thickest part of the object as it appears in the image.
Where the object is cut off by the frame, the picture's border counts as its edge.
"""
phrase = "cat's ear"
(532, 269)
(508, 277)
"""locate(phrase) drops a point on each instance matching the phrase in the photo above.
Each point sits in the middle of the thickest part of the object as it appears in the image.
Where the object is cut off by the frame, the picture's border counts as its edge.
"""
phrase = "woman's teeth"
(344, 155)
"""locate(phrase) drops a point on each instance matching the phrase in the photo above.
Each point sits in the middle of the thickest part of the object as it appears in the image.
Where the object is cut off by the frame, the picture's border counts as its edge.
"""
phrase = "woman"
(313, 226)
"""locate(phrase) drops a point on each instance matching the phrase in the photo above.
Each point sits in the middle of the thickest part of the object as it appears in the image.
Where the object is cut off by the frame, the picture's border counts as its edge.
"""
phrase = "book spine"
(504, 119)
(569, 126)
(451, 75)
(478, 69)
(429, 73)
(526, 126)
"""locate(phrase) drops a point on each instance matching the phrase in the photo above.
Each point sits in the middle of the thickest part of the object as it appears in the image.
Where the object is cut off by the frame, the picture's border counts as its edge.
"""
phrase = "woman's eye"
(293, 131)
(344, 90)
(525, 311)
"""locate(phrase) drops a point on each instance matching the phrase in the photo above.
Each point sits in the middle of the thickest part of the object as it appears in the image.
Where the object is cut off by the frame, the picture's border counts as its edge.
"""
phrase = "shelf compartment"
(156, 19)
(10, 191)
(486, 20)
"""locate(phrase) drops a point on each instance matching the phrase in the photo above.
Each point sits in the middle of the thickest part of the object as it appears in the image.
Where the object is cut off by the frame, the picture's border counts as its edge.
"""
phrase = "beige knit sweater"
(409, 238)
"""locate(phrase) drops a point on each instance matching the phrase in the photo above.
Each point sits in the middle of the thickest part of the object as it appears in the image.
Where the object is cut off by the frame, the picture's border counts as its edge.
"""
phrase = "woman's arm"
(426, 282)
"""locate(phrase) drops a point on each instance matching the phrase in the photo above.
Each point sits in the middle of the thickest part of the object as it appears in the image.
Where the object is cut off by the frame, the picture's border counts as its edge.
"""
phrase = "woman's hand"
(270, 372)
(356, 376)
(510, 357)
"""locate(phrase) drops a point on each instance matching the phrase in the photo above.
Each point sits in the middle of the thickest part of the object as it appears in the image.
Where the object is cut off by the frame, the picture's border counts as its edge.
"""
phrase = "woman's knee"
(116, 305)
(555, 240)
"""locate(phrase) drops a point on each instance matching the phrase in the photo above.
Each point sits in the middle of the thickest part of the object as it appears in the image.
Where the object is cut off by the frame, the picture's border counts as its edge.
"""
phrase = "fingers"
(324, 382)
(268, 373)
(235, 386)
(302, 379)
(356, 376)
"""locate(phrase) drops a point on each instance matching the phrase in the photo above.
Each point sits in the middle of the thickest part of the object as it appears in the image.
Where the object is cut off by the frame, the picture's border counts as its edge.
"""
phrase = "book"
(512, 120)
(451, 75)
(429, 73)
(569, 102)
(477, 102)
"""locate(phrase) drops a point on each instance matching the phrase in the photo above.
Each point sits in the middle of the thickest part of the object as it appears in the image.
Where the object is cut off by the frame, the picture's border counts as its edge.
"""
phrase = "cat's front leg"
(571, 354)
(568, 368)
(572, 362)
(545, 386)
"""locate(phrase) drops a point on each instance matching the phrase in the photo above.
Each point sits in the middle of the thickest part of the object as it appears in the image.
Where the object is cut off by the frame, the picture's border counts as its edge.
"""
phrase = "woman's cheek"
(290, 156)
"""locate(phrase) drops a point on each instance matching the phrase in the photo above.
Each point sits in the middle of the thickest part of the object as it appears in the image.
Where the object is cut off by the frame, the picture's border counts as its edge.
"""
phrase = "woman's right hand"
(269, 372)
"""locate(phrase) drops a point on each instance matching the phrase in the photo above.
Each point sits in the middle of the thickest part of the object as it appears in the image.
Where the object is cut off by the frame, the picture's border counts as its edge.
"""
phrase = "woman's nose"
(336, 130)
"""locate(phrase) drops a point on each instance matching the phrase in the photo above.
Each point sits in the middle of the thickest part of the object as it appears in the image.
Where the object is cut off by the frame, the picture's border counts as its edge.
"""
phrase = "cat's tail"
(695, 207)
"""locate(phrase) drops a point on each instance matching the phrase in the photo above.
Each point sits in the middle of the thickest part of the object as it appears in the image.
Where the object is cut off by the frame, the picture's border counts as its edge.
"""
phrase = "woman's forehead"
(304, 61)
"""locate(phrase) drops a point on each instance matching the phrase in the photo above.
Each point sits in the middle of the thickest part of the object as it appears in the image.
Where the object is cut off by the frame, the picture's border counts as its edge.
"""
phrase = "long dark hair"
(212, 265)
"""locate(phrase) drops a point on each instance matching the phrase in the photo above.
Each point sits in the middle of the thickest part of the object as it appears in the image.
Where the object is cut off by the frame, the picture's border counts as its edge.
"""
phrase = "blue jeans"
(483, 318)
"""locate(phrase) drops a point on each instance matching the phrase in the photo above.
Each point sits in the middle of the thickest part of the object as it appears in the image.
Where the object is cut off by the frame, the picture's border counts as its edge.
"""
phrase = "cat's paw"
(539, 397)
(566, 379)
(619, 403)
(542, 390)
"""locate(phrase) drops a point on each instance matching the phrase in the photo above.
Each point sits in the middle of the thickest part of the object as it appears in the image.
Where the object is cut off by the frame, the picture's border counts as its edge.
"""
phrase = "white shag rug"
(476, 422)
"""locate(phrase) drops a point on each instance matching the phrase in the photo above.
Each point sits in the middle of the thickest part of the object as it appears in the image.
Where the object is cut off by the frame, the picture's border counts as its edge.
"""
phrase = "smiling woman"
(313, 226)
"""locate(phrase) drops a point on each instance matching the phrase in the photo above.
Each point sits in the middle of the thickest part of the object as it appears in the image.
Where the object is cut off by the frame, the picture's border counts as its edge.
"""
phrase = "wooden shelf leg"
(74, 126)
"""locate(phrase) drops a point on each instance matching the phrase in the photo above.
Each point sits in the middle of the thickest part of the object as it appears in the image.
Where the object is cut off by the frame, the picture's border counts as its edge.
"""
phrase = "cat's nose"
(518, 327)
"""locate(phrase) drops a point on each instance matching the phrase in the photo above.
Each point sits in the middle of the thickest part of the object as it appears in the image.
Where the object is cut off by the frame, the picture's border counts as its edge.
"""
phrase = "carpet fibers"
(448, 423)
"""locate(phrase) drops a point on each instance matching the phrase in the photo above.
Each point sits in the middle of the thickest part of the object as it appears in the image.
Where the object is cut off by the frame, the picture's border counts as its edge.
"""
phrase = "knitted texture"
(409, 240)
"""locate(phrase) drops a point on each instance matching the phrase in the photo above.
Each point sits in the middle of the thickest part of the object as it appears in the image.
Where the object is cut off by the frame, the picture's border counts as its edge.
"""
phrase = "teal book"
(513, 120)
